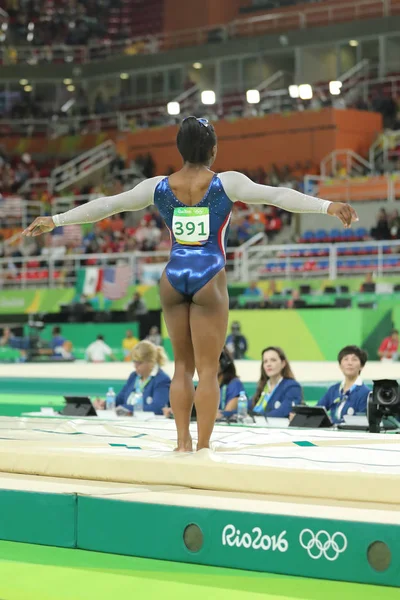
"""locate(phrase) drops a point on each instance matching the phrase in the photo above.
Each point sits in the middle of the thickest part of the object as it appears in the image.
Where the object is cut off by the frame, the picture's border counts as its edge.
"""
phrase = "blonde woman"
(148, 379)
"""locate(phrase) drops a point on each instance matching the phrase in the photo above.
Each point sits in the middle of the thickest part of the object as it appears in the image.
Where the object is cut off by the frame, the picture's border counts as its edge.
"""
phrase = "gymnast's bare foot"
(202, 446)
(184, 445)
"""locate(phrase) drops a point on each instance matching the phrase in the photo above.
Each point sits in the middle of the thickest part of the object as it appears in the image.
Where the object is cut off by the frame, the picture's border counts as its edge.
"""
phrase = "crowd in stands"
(123, 233)
(50, 23)
(146, 232)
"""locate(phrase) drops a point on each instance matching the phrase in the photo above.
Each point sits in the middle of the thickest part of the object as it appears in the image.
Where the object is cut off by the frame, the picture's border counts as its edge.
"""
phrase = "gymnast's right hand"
(40, 225)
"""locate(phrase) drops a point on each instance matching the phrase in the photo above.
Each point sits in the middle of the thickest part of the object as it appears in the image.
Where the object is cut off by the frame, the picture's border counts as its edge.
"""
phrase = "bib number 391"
(191, 225)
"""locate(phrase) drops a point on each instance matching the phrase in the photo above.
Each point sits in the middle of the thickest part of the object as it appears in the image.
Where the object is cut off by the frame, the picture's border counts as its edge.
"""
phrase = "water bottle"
(138, 405)
(242, 407)
(110, 399)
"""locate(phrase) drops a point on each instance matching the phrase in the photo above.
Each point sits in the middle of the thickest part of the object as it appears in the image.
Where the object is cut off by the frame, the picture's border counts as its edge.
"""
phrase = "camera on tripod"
(383, 404)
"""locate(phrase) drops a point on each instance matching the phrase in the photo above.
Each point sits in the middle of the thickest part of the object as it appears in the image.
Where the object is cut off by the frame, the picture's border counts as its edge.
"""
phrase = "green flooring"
(30, 572)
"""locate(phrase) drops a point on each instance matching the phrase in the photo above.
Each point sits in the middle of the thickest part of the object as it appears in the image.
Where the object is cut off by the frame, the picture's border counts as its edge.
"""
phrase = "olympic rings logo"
(322, 544)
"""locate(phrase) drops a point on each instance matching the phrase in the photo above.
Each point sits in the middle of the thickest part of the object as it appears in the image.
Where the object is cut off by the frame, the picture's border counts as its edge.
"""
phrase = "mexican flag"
(89, 281)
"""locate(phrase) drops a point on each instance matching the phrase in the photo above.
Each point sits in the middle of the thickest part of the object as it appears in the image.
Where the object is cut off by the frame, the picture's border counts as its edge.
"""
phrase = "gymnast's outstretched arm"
(240, 188)
(137, 198)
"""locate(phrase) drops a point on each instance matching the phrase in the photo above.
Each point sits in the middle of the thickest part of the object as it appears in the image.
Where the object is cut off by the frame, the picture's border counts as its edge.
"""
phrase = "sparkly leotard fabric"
(191, 267)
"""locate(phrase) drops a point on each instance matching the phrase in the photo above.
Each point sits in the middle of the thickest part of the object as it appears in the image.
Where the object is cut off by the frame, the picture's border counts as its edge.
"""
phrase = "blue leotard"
(191, 267)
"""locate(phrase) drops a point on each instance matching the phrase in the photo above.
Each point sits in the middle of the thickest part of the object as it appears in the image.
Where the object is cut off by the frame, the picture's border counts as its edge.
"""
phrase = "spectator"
(65, 352)
(236, 343)
(148, 380)
(350, 396)
(277, 390)
(253, 291)
(229, 384)
(295, 301)
(99, 351)
(128, 344)
(381, 231)
(57, 340)
(388, 350)
(137, 307)
(368, 285)
(154, 336)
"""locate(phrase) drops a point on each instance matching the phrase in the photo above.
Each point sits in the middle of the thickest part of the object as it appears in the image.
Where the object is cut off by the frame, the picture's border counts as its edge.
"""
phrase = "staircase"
(83, 166)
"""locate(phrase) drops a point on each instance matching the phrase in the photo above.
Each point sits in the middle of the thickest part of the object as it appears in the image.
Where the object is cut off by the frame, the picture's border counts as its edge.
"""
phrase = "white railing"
(83, 165)
(270, 22)
(16, 212)
(353, 163)
(53, 269)
(354, 189)
(331, 261)
(273, 100)
(247, 263)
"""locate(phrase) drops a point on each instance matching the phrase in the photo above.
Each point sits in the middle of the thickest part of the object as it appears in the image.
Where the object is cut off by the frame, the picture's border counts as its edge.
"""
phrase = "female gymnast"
(196, 206)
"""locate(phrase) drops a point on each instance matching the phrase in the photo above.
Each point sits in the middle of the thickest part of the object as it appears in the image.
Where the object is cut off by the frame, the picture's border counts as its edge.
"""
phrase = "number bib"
(191, 225)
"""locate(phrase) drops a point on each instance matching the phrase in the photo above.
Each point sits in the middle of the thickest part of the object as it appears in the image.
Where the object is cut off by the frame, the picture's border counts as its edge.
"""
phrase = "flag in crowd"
(89, 281)
(116, 281)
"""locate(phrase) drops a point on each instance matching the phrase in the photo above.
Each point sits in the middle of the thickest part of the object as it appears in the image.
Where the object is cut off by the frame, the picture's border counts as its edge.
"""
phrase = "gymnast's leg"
(208, 324)
(176, 310)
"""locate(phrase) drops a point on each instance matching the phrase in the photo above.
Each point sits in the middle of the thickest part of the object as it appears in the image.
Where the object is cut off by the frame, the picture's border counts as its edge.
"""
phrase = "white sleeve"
(240, 188)
(137, 198)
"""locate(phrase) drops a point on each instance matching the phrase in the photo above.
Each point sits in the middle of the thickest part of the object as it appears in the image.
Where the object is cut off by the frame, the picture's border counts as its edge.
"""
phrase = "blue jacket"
(155, 393)
(352, 403)
(285, 395)
(228, 392)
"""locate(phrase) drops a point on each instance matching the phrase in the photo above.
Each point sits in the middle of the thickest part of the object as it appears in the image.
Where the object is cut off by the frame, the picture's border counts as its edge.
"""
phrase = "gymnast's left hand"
(344, 212)
(39, 226)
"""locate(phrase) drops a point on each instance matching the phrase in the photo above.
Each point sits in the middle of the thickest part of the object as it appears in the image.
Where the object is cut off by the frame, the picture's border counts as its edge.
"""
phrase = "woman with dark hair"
(277, 389)
(229, 384)
(196, 205)
(350, 396)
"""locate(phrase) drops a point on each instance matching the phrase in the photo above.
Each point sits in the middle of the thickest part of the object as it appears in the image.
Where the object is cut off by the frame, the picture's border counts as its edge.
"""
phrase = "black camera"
(383, 403)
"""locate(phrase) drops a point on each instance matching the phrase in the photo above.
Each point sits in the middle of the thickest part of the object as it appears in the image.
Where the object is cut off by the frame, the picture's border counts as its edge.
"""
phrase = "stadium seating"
(321, 236)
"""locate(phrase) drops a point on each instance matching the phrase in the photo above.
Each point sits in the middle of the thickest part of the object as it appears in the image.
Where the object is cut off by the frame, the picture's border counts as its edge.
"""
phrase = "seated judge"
(349, 397)
(277, 390)
(148, 379)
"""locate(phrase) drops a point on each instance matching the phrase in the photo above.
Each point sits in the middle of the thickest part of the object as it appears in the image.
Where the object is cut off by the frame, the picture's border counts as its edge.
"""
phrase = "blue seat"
(321, 234)
(309, 236)
(361, 232)
(335, 234)
(297, 265)
(390, 262)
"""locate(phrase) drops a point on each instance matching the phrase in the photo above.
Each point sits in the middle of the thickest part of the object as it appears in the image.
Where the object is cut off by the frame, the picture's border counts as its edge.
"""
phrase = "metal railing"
(249, 262)
(354, 189)
(353, 163)
(18, 213)
(272, 100)
(54, 270)
(270, 22)
(83, 165)
(331, 261)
